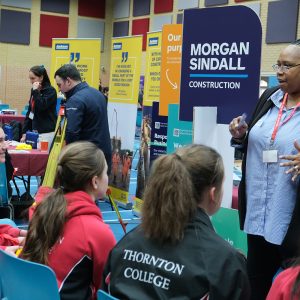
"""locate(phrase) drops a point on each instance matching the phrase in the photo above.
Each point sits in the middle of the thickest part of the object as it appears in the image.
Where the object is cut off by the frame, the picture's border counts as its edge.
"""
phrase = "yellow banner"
(138, 203)
(83, 53)
(170, 67)
(125, 69)
(152, 74)
(120, 196)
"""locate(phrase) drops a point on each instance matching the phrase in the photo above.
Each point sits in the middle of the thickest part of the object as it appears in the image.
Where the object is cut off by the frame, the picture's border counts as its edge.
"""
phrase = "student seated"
(67, 231)
(287, 284)
(175, 252)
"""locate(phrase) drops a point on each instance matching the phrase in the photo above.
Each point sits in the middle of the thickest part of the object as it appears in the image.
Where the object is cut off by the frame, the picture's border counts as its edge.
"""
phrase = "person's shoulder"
(213, 244)
(227, 249)
(49, 89)
(95, 227)
(85, 90)
(269, 92)
(283, 283)
(288, 275)
(96, 92)
(130, 239)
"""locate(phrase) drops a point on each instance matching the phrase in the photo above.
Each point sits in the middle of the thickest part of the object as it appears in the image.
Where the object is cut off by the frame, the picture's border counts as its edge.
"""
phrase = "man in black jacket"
(85, 110)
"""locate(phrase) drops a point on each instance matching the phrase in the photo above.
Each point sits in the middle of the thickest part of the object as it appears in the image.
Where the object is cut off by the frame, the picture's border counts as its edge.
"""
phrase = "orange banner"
(170, 67)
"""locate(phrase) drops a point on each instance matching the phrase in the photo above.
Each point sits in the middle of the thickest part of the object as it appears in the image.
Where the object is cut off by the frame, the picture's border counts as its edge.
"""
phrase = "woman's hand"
(36, 85)
(293, 163)
(23, 232)
(12, 250)
(236, 129)
(23, 138)
(21, 240)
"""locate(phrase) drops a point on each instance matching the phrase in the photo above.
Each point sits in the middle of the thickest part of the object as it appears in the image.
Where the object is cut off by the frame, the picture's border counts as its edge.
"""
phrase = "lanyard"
(277, 124)
(32, 103)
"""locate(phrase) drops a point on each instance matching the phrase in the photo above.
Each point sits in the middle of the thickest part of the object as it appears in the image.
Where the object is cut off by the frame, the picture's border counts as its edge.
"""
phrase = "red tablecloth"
(32, 163)
(8, 118)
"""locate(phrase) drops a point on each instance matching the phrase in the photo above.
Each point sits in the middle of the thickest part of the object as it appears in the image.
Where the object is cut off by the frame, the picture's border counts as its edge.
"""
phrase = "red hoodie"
(8, 236)
(78, 258)
(281, 288)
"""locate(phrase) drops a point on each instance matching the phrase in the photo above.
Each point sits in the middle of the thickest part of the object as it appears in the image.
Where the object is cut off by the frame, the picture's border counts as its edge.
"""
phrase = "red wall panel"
(52, 27)
(163, 6)
(141, 26)
(91, 8)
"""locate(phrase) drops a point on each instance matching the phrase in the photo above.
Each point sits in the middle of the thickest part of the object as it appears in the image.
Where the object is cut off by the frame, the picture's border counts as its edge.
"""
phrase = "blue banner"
(220, 61)
(159, 131)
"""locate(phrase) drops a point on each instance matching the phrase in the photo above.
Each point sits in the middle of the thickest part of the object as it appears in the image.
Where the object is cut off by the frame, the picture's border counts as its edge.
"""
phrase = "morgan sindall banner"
(221, 55)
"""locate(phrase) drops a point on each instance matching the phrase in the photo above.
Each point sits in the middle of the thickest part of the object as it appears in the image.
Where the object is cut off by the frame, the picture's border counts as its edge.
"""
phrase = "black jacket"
(87, 118)
(44, 110)
(290, 244)
(201, 264)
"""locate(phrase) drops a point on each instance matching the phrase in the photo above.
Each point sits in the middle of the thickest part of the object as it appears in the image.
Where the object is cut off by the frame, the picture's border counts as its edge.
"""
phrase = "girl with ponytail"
(66, 231)
(175, 253)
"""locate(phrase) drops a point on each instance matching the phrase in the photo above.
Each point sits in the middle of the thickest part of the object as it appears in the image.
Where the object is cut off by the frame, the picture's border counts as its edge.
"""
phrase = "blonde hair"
(176, 185)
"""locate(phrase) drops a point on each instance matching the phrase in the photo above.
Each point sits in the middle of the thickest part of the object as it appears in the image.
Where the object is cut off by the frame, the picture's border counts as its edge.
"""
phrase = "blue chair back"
(4, 106)
(21, 279)
(101, 295)
(6, 221)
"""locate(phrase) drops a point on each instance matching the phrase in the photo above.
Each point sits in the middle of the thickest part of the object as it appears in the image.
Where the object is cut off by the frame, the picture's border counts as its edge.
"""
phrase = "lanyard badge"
(271, 155)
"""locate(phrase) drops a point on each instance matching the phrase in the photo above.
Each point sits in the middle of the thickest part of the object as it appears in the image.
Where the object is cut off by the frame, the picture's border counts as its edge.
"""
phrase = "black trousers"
(263, 261)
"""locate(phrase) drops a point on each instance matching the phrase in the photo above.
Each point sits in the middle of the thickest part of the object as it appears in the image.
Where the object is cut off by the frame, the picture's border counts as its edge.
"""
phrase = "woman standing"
(41, 115)
(269, 200)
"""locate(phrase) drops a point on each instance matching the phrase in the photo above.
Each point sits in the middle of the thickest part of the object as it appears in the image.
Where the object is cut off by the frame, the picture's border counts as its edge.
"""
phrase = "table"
(28, 163)
(9, 118)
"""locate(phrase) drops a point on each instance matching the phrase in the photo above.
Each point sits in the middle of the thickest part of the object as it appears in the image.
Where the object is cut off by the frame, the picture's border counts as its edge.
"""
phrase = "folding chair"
(21, 279)
(6, 221)
(101, 295)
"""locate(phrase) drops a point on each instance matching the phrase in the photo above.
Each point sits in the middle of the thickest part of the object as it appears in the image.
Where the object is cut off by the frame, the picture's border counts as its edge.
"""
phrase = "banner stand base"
(120, 204)
(136, 213)
(124, 205)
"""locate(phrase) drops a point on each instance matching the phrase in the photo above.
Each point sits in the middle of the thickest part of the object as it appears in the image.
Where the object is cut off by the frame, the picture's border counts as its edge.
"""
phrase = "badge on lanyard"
(270, 156)
(31, 114)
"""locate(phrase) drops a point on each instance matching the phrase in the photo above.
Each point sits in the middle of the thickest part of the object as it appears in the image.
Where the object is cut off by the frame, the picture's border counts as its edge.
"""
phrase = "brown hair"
(176, 185)
(78, 163)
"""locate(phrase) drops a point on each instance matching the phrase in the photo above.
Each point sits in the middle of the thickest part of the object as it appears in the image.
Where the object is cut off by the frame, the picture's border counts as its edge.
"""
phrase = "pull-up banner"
(171, 48)
(221, 66)
(153, 61)
(83, 53)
